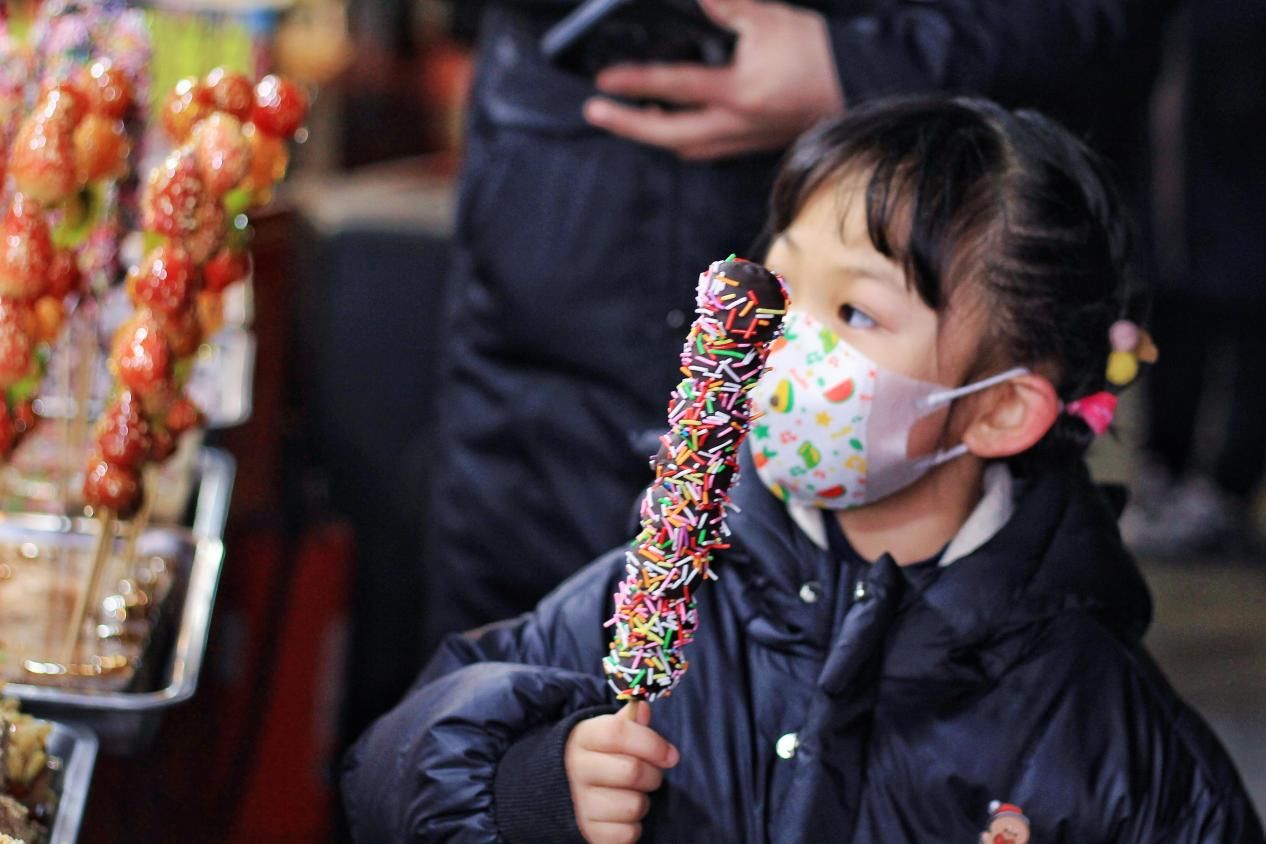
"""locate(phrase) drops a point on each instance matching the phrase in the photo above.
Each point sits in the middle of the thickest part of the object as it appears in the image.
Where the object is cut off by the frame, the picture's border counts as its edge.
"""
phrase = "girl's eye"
(854, 318)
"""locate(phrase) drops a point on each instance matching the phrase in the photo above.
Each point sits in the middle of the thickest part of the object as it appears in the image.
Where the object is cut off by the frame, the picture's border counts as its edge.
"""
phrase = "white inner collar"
(994, 510)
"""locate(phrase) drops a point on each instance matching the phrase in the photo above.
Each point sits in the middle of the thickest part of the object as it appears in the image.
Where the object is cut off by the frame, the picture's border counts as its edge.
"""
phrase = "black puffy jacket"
(891, 709)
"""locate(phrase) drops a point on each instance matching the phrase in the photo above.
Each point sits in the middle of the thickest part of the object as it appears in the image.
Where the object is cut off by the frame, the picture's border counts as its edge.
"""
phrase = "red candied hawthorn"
(62, 102)
(187, 103)
(229, 266)
(8, 432)
(182, 415)
(16, 345)
(141, 357)
(101, 149)
(269, 160)
(230, 92)
(42, 157)
(107, 89)
(165, 280)
(109, 486)
(208, 233)
(172, 196)
(182, 331)
(63, 274)
(177, 204)
(222, 153)
(162, 445)
(26, 250)
(123, 436)
(280, 106)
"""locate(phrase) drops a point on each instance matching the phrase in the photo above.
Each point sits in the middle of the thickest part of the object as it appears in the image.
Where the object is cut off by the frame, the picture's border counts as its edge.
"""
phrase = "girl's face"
(836, 275)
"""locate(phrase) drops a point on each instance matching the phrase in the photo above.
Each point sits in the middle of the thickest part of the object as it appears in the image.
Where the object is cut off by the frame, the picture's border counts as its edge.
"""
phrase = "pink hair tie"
(1096, 410)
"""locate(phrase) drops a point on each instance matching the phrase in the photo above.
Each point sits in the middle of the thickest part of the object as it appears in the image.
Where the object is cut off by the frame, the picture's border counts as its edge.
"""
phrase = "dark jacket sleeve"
(1014, 51)
(1201, 778)
(1218, 818)
(474, 751)
(1184, 787)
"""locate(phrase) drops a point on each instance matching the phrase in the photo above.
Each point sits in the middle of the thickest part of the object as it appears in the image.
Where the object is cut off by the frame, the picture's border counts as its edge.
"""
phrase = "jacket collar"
(1059, 552)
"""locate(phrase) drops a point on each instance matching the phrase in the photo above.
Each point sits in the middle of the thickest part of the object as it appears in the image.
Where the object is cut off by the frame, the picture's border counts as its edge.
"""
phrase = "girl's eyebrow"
(883, 272)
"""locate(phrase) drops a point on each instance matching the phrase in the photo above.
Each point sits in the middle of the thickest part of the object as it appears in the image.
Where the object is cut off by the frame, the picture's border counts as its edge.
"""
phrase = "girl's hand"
(613, 762)
(781, 80)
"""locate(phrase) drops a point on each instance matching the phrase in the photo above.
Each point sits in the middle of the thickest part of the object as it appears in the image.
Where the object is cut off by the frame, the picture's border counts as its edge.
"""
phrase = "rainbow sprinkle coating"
(740, 307)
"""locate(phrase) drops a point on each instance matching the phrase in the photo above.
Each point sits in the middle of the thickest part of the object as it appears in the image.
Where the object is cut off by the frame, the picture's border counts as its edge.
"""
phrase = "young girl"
(929, 634)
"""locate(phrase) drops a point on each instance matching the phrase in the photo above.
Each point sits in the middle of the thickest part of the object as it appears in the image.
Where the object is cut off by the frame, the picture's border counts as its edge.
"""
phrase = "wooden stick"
(65, 384)
(630, 709)
(100, 554)
(138, 524)
(87, 372)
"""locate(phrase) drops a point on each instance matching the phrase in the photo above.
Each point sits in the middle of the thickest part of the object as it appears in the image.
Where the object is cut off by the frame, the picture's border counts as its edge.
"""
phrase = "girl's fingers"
(612, 833)
(621, 735)
(611, 770)
(615, 805)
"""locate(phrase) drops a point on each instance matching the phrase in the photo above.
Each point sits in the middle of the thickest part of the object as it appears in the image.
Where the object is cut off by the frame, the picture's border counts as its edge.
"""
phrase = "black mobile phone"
(599, 33)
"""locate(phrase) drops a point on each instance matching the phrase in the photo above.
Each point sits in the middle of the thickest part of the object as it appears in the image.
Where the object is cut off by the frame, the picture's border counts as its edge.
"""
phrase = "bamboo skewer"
(87, 370)
(137, 525)
(65, 387)
(100, 555)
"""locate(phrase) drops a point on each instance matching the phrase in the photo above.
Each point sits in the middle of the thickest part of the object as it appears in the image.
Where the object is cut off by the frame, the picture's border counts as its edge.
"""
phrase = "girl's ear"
(1012, 417)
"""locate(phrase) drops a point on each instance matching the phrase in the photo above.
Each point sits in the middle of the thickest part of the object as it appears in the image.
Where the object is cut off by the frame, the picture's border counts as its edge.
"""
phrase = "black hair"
(963, 189)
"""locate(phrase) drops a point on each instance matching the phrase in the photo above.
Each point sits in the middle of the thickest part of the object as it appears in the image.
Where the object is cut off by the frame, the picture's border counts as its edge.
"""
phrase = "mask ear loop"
(936, 459)
(946, 396)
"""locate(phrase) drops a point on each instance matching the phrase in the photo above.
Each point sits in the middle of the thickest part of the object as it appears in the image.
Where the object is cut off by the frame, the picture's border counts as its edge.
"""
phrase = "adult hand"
(613, 762)
(781, 81)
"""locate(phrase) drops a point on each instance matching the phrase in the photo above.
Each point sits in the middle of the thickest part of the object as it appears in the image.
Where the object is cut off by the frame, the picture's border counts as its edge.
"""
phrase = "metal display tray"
(76, 747)
(126, 720)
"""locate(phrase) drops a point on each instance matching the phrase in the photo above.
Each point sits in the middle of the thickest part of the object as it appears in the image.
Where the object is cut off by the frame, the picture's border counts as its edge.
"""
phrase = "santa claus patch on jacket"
(1007, 825)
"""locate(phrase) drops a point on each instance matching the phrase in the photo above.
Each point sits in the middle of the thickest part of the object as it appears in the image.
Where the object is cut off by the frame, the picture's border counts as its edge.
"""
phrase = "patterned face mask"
(836, 429)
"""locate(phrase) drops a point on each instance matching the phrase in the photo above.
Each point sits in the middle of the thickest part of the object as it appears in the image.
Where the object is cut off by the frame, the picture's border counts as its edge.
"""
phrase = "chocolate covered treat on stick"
(740, 307)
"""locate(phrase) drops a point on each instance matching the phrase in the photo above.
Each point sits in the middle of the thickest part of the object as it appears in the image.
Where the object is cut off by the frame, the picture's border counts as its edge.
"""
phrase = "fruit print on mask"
(842, 391)
(783, 399)
(813, 411)
(829, 340)
(811, 456)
